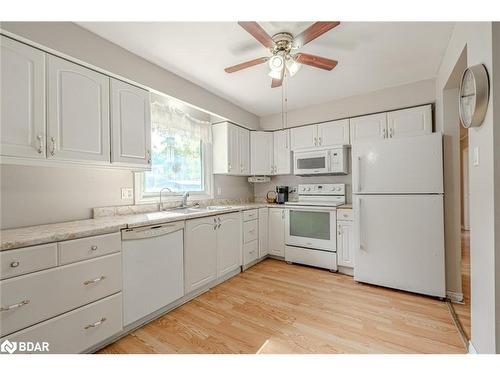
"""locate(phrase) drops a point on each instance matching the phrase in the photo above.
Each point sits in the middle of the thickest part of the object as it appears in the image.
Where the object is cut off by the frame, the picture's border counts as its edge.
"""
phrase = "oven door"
(311, 162)
(311, 227)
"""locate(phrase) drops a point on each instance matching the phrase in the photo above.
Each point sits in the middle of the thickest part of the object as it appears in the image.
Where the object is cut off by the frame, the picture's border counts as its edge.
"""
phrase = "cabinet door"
(22, 98)
(200, 253)
(233, 140)
(228, 243)
(277, 231)
(410, 122)
(303, 137)
(282, 153)
(131, 124)
(368, 128)
(263, 232)
(345, 251)
(333, 133)
(244, 148)
(78, 112)
(261, 153)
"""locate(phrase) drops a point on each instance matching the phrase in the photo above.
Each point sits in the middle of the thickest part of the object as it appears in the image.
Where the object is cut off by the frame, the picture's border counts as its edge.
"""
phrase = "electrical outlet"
(127, 193)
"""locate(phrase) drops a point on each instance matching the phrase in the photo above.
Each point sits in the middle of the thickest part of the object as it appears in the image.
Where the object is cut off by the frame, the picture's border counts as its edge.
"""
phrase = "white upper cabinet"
(303, 137)
(282, 153)
(261, 153)
(244, 150)
(78, 112)
(367, 128)
(409, 122)
(22, 100)
(131, 124)
(231, 149)
(333, 133)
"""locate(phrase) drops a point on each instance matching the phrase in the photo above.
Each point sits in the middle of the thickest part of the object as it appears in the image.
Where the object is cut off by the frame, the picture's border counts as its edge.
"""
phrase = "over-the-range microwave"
(333, 160)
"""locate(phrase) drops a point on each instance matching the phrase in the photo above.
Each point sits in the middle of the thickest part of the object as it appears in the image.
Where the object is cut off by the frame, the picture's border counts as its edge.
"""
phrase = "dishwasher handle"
(151, 231)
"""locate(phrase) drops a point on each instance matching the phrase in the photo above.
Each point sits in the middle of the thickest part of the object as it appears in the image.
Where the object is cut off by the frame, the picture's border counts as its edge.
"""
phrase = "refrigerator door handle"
(358, 174)
(362, 247)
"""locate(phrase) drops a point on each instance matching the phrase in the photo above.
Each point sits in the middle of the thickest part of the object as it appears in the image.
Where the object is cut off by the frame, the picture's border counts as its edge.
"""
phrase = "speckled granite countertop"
(40, 234)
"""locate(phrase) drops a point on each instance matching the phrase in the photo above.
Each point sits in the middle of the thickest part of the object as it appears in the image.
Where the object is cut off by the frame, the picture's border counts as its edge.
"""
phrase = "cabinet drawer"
(86, 248)
(78, 330)
(250, 252)
(250, 231)
(250, 215)
(345, 214)
(42, 295)
(28, 259)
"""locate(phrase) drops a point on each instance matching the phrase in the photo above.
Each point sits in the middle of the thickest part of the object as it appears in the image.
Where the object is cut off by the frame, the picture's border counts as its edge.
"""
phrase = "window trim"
(208, 179)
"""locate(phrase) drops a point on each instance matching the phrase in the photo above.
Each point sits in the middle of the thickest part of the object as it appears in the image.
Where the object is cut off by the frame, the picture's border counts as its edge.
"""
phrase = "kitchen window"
(180, 155)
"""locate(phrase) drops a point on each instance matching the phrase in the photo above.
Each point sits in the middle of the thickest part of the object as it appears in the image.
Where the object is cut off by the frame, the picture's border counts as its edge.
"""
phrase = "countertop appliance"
(281, 194)
(153, 269)
(310, 225)
(398, 208)
(321, 161)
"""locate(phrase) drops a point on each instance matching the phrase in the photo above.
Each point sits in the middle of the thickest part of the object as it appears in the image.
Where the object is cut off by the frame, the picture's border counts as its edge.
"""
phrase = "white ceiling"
(371, 55)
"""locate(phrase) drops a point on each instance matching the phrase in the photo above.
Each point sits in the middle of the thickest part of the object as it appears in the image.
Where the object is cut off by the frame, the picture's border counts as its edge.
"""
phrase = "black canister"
(281, 194)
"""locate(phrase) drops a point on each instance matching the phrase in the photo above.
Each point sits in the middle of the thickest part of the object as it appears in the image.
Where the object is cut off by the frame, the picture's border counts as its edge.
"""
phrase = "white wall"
(412, 94)
(77, 42)
(484, 182)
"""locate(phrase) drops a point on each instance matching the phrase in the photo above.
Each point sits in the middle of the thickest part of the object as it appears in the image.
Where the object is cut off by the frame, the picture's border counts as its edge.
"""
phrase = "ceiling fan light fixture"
(276, 63)
(275, 74)
(292, 66)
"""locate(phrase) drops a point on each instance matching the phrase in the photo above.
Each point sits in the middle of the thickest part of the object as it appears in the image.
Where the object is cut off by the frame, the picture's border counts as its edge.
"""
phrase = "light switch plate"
(127, 193)
(475, 156)
(219, 190)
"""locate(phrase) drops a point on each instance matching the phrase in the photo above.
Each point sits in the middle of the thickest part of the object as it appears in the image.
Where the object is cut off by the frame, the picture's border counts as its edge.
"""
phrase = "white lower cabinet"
(228, 238)
(212, 248)
(78, 330)
(345, 243)
(200, 252)
(263, 232)
(277, 231)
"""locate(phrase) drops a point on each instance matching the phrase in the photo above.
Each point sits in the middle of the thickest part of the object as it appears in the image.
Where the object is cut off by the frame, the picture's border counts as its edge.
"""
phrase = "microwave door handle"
(329, 161)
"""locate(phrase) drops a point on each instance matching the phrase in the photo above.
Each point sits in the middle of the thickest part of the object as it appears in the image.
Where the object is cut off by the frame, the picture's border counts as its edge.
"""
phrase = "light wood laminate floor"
(275, 307)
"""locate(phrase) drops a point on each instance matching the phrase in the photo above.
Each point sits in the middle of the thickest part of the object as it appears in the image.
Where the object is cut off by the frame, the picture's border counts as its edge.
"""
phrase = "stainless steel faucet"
(184, 199)
(161, 191)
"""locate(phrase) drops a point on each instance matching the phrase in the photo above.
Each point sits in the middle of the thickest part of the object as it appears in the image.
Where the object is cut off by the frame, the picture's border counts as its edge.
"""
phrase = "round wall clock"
(474, 95)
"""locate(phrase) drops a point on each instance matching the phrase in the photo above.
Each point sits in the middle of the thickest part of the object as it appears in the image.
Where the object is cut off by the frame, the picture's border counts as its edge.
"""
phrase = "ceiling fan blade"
(278, 82)
(246, 64)
(258, 33)
(316, 61)
(312, 32)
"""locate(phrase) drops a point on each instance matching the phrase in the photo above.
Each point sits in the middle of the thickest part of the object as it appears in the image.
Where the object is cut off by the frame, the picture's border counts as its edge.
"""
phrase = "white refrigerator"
(398, 208)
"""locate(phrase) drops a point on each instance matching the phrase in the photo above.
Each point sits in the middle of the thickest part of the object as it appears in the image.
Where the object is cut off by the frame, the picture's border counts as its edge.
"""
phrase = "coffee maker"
(281, 194)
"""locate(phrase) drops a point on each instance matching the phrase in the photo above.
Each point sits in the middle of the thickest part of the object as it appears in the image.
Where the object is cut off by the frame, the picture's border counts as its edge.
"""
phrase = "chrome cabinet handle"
(320, 141)
(384, 133)
(14, 264)
(282, 214)
(53, 150)
(15, 306)
(93, 281)
(40, 143)
(391, 132)
(229, 166)
(315, 141)
(96, 324)
(93, 247)
(149, 156)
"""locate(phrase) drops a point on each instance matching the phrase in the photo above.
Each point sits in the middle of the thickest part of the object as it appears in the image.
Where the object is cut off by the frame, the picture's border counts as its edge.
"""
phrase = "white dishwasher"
(153, 269)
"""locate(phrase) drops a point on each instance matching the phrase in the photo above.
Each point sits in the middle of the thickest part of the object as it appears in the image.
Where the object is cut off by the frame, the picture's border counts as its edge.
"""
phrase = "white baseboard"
(472, 349)
(454, 296)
